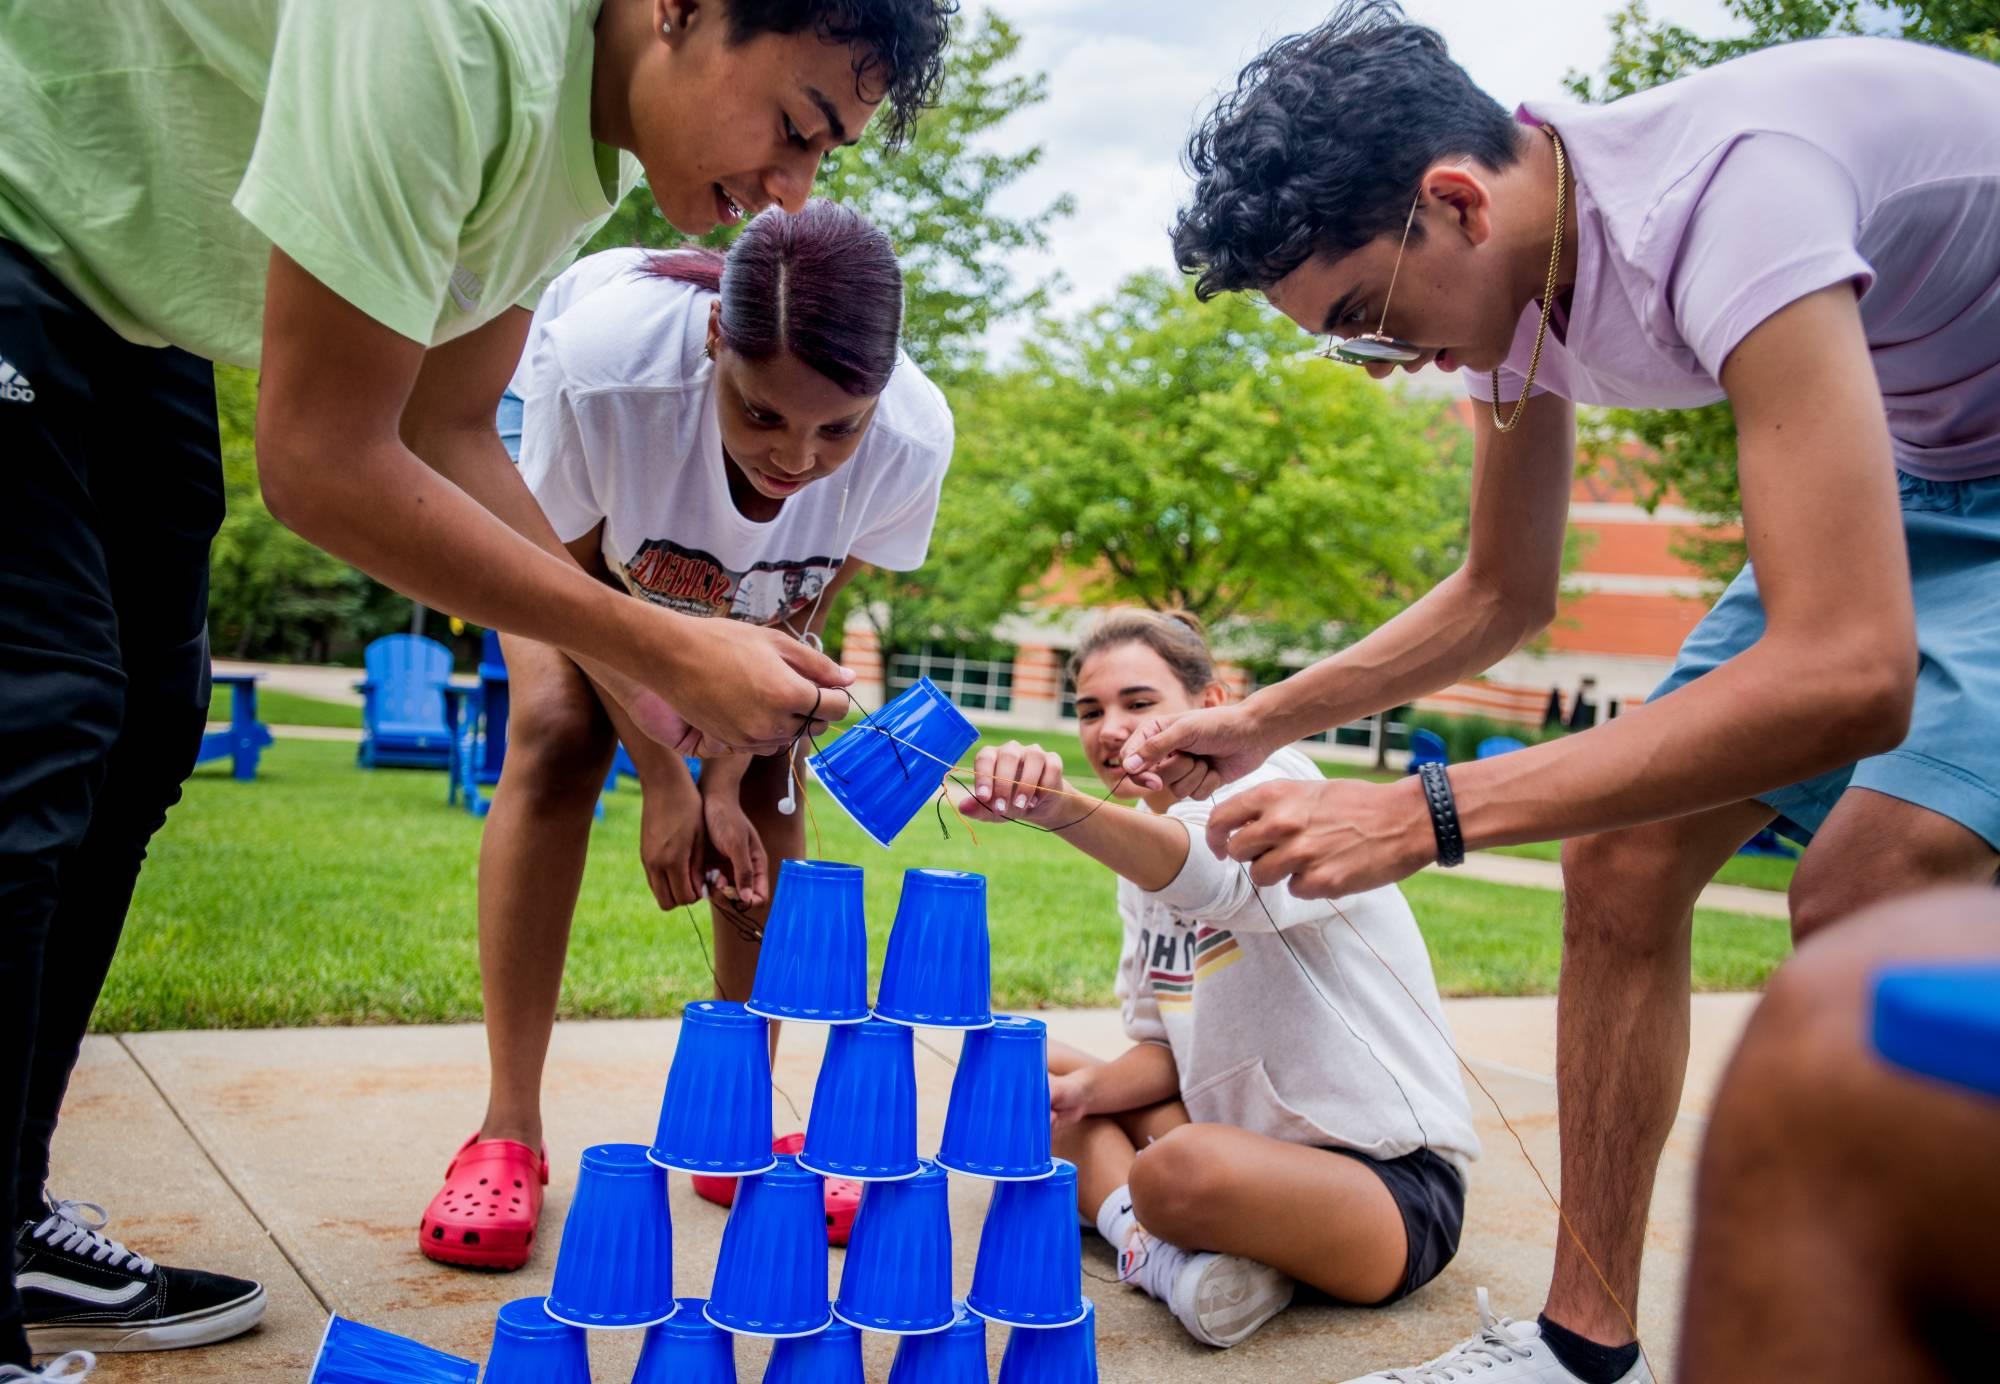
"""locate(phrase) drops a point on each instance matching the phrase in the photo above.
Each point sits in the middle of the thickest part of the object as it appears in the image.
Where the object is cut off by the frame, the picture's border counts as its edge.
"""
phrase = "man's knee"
(1624, 890)
(59, 720)
(558, 748)
(1177, 1182)
(1833, 881)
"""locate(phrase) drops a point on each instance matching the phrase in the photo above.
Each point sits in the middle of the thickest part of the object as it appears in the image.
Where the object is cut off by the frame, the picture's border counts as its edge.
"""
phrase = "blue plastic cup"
(716, 1115)
(1030, 1266)
(1052, 1355)
(889, 764)
(956, 1355)
(813, 963)
(864, 1110)
(832, 1356)
(897, 1278)
(770, 1275)
(531, 1347)
(615, 1270)
(939, 970)
(997, 1125)
(687, 1348)
(350, 1353)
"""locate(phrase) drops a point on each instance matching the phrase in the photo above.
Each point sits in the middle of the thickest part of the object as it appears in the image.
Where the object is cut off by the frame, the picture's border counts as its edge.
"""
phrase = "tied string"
(716, 980)
(952, 771)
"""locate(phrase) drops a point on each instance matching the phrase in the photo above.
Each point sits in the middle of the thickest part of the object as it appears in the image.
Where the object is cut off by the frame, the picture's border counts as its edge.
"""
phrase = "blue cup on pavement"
(864, 1110)
(939, 970)
(770, 1276)
(1057, 1355)
(897, 1278)
(832, 1356)
(885, 767)
(812, 965)
(350, 1353)
(1030, 1266)
(615, 1270)
(687, 1348)
(956, 1355)
(531, 1347)
(997, 1124)
(716, 1115)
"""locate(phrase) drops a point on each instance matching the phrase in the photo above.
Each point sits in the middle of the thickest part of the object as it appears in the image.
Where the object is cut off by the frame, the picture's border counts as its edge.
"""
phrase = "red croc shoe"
(486, 1213)
(843, 1198)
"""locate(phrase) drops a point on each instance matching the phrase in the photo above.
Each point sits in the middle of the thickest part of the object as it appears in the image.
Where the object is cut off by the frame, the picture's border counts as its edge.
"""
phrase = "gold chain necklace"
(1548, 293)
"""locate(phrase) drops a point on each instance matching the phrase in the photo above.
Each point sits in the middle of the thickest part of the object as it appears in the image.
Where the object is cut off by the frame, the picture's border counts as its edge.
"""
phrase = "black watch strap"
(1444, 815)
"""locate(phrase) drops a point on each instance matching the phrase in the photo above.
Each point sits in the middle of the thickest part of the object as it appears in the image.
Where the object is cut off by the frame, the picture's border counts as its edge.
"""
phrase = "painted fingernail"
(984, 792)
(1020, 800)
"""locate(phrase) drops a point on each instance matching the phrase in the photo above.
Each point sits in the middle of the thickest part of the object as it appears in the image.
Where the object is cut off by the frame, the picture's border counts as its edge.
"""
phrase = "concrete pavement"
(305, 1157)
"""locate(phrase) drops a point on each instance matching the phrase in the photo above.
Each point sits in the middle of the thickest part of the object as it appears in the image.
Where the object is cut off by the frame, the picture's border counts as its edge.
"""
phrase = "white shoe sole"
(202, 1328)
(1233, 1297)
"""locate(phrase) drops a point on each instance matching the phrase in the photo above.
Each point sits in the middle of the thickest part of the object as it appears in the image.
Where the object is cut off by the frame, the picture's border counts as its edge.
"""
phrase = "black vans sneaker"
(82, 1290)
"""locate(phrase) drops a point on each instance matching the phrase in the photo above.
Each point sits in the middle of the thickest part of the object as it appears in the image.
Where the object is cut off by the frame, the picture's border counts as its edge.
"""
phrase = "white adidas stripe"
(82, 1292)
(15, 388)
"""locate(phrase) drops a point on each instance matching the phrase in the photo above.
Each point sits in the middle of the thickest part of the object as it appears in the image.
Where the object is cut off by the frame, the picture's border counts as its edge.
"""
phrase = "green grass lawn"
(275, 708)
(327, 894)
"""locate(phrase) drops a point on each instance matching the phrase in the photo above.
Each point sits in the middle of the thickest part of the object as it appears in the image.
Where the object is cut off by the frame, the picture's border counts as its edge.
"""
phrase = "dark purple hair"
(822, 286)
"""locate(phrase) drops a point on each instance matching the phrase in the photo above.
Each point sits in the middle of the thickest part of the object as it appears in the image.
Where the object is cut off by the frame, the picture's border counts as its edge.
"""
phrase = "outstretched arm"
(343, 400)
(1502, 596)
(1831, 680)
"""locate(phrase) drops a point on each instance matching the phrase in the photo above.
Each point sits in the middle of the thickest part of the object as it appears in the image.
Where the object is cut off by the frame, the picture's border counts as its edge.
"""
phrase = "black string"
(1313, 981)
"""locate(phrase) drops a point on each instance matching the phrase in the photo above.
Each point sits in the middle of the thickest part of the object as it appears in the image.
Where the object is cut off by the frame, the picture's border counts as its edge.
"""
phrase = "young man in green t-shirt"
(366, 199)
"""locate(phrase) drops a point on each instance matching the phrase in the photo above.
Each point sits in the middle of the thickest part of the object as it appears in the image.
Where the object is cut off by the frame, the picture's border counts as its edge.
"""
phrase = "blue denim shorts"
(1950, 761)
(508, 420)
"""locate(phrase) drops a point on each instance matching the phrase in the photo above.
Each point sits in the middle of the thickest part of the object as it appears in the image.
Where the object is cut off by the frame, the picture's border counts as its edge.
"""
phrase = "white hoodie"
(1313, 1042)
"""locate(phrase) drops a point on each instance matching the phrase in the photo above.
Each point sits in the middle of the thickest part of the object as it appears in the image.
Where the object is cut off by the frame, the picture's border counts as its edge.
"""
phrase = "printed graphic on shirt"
(695, 583)
(1177, 961)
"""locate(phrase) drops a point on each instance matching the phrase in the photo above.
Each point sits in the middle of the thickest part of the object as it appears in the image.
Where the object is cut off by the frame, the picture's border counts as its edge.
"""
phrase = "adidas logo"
(14, 386)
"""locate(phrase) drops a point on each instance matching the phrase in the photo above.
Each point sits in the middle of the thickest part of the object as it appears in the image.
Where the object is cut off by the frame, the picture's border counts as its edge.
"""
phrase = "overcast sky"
(1126, 78)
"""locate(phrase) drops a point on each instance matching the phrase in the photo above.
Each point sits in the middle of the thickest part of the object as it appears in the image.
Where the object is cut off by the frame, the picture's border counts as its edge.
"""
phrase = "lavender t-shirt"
(1705, 206)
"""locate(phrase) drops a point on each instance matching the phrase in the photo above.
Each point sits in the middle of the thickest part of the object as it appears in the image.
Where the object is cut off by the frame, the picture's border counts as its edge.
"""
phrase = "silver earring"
(667, 27)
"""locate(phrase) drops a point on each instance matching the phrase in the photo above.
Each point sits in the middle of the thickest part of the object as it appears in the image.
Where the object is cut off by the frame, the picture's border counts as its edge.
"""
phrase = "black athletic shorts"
(1431, 1195)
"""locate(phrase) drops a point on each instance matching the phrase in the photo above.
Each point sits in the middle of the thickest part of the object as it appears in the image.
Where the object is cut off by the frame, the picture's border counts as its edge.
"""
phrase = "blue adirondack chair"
(402, 713)
(1499, 744)
(1426, 747)
(247, 737)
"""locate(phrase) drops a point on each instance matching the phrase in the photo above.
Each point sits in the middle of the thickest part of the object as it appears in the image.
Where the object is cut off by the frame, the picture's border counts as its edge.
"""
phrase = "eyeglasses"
(1377, 347)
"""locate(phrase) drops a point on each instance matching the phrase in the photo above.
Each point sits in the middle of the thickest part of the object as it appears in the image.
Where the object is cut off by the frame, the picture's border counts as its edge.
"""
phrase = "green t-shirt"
(428, 160)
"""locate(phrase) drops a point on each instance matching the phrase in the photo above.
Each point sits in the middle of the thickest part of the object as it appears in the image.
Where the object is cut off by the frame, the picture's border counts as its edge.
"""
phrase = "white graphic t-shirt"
(619, 427)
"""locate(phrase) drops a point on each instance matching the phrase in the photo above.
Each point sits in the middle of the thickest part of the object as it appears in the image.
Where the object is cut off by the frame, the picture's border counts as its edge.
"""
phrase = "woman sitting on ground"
(1289, 1113)
(725, 437)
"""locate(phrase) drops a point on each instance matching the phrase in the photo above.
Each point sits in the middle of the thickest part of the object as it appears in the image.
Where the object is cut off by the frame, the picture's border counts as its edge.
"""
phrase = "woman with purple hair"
(726, 436)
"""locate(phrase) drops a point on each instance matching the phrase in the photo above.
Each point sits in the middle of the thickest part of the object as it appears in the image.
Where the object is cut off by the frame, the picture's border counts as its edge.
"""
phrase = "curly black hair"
(1320, 147)
(898, 44)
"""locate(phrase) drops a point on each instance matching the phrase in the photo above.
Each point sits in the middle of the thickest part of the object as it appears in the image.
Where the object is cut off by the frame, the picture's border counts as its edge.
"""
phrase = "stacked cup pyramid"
(771, 1276)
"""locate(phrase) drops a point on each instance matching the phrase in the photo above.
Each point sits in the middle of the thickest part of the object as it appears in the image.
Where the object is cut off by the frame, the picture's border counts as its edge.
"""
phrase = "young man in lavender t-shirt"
(1812, 233)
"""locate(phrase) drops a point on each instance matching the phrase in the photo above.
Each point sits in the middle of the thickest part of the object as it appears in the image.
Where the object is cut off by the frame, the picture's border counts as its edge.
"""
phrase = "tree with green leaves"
(271, 594)
(1694, 450)
(1165, 452)
(935, 199)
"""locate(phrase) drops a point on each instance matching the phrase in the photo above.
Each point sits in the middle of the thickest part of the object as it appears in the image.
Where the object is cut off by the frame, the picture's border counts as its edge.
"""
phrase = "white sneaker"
(1504, 1352)
(64, 1370)
(1220, 1298)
